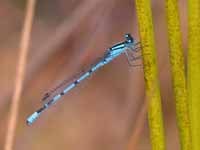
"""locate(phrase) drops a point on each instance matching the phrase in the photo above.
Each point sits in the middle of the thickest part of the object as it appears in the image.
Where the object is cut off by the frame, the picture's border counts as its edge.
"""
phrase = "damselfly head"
(129, 38)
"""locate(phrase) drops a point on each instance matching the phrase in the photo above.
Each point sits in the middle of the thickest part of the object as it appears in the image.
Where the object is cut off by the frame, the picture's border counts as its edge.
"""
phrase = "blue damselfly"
(126, 47)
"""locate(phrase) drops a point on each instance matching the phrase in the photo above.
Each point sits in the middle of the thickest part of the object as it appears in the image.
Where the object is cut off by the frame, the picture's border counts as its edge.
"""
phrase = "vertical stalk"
(194, 70)
(178, 73)
(144, 15)
(20, 74)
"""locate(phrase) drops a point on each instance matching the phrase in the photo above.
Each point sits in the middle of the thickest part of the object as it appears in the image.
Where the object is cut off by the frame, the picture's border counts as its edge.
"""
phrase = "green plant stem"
(150, 69)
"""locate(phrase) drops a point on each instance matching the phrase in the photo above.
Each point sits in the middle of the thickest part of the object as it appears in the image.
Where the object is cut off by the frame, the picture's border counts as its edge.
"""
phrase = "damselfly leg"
(132, 55)
(132, 59)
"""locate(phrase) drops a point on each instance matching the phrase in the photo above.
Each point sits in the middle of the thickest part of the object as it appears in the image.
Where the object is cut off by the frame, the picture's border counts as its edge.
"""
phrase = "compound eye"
(129, 38)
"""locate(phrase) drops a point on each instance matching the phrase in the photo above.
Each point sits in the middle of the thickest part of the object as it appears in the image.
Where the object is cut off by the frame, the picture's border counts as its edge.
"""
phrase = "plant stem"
(20, 74)
(144, 15)
(178, 74)
(194, 70)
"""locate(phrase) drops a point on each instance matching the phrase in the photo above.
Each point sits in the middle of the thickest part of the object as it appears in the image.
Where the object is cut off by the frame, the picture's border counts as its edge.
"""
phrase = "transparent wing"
(69, 80)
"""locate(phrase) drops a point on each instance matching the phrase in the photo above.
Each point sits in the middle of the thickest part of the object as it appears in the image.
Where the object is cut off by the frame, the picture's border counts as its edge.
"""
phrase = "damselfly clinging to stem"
(126, 47)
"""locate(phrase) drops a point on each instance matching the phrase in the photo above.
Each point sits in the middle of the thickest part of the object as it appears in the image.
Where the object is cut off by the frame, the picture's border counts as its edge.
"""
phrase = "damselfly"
(126, 47)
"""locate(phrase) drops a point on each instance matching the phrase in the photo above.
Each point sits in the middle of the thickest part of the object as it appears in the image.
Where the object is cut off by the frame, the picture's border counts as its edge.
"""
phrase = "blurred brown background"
(67, 35)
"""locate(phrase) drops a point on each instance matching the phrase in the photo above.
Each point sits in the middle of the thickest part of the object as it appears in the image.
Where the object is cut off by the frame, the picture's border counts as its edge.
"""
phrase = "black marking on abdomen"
(90, 71)
(41, 109)
(76, 82)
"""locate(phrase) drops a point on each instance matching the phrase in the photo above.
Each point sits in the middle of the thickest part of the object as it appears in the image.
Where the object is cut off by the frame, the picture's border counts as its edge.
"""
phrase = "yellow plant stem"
(178, 73)
(194, 71)
(144, 15)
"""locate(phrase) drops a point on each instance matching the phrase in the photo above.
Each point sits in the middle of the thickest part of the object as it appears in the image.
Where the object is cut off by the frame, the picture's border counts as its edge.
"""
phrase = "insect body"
(111, 53)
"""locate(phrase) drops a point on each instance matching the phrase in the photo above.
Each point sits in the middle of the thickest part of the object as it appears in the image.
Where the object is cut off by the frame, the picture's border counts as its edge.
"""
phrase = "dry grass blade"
(20, 73)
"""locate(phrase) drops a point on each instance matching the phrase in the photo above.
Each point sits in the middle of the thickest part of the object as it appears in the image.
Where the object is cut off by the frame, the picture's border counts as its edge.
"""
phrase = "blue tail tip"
(32, 118)
(28, 122)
